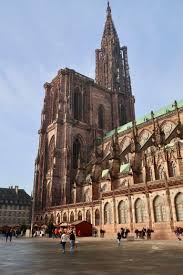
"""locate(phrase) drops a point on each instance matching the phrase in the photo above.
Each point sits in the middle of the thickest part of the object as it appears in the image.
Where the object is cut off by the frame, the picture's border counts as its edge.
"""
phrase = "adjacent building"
(15, 207)
(97, 162)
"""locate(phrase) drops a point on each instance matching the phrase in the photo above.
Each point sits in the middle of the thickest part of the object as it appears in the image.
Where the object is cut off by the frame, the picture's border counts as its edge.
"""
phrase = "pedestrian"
(11, 234)
(119, 238)
(125, 233)
(72, 242)
(64, 239)
(16, 233)
(149, 231)
(137, 233)
(122, 232)
(177, 233)
(143, 233)
(7, 235)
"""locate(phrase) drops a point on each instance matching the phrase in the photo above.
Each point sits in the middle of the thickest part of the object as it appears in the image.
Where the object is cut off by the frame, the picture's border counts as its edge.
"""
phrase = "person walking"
(7, 235)
(72, 242)
(119, 238)
(122, 232)
(11, 234)
(177, 233)
(64, 239)
(137, 233)
(149, 231)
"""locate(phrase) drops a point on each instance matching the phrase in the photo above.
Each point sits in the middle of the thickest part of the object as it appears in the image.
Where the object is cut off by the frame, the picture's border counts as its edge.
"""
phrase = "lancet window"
(159, 209)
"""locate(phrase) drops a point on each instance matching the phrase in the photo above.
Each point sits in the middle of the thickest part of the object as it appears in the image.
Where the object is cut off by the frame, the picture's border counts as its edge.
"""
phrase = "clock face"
(168, 128)
(144, 137)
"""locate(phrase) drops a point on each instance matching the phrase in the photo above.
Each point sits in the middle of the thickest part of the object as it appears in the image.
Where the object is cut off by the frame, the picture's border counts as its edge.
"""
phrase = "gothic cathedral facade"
(96, 162)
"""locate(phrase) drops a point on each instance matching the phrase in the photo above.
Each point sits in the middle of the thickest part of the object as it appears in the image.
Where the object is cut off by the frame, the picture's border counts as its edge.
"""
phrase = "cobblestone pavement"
(93, 256)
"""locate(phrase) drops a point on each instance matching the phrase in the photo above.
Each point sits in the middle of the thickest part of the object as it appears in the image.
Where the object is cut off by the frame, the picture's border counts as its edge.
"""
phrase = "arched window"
(58, 218)
(101, 117)
(76, 152)
(65, 217)
(139, 211)
(51, 148)
(77, 104)
(122, 212)
(149, 176)
(159, 209)
(107, 213)
(37, 218)
(97, 217)
(172, 169)
(54, 105)
(72, 217)
(161, 172)
(122, 114)
(48, 193)
(179, 206)
(87, 195)
(85, 106)
(88, 216)
(80, 216)
(41, 218)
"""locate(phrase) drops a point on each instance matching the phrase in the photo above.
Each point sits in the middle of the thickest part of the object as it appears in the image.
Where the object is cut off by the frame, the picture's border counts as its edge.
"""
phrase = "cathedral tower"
(112, 72)
(76, 111)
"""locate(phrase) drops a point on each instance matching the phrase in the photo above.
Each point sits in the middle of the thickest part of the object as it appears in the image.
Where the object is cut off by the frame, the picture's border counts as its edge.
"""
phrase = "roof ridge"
(161, 111)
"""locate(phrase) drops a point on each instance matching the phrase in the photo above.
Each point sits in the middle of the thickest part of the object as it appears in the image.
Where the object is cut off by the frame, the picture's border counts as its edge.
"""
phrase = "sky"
(39, 37)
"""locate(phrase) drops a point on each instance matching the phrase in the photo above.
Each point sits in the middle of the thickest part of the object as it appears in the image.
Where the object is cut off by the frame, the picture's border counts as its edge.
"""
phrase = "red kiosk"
(82, 228)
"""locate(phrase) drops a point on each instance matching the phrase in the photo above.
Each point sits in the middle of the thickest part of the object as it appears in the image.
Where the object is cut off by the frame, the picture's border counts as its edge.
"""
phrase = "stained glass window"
(159, 209)
(139, 211)
(179, 206)
(122, 212)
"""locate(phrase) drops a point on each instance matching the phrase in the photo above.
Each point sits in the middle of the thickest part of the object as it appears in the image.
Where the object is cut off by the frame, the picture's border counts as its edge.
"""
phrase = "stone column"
(101, 214)
(149, 210)
(169, 204)
(92, 219)
(130, 208)
(114, 212)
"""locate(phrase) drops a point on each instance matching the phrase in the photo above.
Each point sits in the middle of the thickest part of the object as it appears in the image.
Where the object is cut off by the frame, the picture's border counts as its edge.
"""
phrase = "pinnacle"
(108, 8)
(109, 28)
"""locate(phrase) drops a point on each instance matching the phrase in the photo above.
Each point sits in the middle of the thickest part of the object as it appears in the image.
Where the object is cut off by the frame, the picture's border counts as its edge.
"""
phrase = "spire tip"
(108, 7)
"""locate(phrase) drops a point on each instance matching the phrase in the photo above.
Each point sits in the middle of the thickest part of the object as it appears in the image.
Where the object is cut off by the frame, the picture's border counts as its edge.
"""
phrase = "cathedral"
(97, 162)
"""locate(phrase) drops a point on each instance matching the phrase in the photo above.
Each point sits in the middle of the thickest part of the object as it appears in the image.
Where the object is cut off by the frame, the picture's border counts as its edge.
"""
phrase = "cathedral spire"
(108, 8)
(109, 28)
(112, 72)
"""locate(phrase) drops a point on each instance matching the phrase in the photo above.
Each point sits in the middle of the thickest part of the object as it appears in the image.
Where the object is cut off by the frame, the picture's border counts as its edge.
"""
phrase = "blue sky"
(38, 37)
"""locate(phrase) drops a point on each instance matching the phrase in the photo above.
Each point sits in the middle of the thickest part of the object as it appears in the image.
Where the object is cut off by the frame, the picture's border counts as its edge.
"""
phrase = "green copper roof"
(125, 168)
(105, 173)
(147, 117)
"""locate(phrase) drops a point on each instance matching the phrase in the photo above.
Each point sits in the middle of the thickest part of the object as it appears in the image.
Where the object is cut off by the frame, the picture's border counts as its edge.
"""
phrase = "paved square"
(44, 256)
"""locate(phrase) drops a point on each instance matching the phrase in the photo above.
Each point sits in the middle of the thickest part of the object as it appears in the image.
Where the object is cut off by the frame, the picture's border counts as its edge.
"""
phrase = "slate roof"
(125, 168)
(9, 196)
(105, 173)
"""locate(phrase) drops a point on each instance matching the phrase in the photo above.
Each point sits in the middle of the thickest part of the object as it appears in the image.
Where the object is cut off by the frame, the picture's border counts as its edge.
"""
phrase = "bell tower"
(112, 72)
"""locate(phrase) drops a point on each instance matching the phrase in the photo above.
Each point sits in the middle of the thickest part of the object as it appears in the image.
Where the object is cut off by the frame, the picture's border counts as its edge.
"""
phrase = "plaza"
(93, 256)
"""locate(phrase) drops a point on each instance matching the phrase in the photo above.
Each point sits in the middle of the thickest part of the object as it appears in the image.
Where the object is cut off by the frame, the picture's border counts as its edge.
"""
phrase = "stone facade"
(131, 176)
(15, 207)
